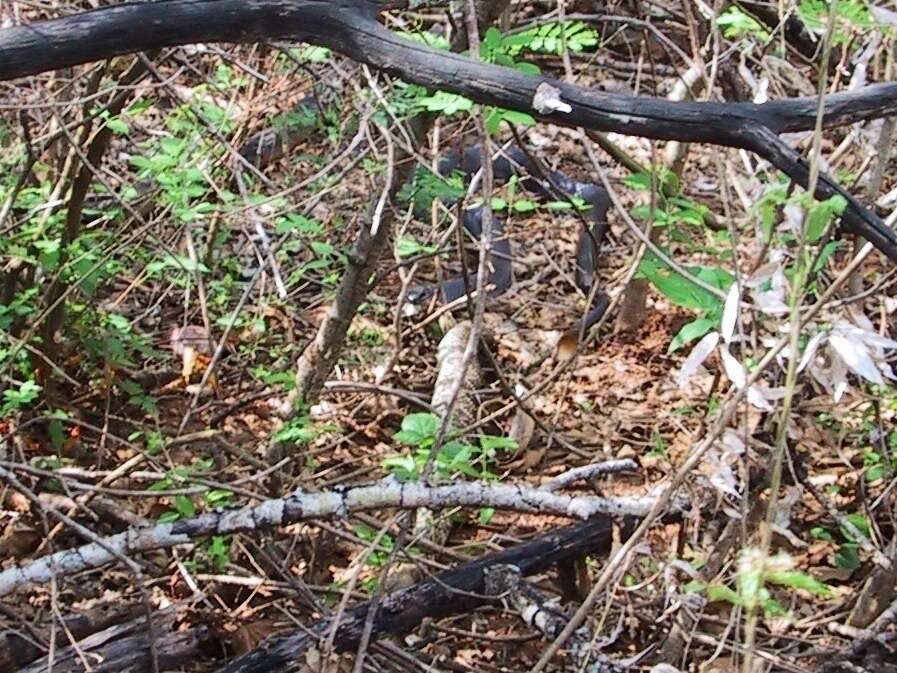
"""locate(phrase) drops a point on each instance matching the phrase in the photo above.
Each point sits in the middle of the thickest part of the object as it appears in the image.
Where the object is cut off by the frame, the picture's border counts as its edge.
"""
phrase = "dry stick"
(352, 28)
(728, 409)
(798, 286)
(88, 534)
(479, 309)
(301, 506)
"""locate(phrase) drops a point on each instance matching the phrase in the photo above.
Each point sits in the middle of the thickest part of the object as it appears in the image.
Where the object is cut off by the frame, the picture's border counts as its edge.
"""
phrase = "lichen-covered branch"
(301, 506)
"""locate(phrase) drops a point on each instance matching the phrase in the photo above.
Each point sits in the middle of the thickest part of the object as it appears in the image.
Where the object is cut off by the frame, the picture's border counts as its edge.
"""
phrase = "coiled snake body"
(546, 185)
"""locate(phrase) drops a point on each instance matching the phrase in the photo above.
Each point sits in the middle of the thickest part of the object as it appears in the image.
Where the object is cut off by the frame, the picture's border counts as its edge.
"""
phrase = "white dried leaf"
(770, 303)
(761, 93)
(869, 336)
(883, 15)
(856, 357)
(810, 350)
(720, 474)
(838, 377)
(734, 370)
(757, 397)
(548, 99)
(763, 274)
(696, 358)
(732, 442)
(860, 318)
(730, 313)
(794, 218)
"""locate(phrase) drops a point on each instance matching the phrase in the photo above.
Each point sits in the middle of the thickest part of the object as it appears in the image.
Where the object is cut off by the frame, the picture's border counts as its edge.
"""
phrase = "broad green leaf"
(821, 215)
(799, 580)
(691, 331)
(417, 428)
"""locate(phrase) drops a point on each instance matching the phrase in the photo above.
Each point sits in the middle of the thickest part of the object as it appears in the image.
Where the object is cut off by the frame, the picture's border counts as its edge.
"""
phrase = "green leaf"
(819, 533)
(417, 428)
(524, 206)
(528, 68)
(847, 557)
(486, 514)
(427, 38)
(772, 608)
(796, 579)
(408, 247)
(498, 203)
(691, 331)
(218, 497)
(821, 215)
(295, 222)
(520, 118)
(718, 592)
(750, 586)
(184, 506)
(404, 467)
(446, 103)
(682, 291)
(57, 437)
(116, 125)
(827, 251)
(860, 522)
(492, 39)
(490, 443)
(736, 23)
(694, 587)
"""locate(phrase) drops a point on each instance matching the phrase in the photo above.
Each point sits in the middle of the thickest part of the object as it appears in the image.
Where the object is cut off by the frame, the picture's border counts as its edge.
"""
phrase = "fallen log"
(448, 593)
(130, 648)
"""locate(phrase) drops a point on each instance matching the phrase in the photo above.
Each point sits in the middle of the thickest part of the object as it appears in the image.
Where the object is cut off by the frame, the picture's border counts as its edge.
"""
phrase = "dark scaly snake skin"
(554, 186)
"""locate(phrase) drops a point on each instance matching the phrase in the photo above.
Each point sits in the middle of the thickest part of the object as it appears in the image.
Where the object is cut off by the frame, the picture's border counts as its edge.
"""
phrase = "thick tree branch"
(350, 27)
(301, 506)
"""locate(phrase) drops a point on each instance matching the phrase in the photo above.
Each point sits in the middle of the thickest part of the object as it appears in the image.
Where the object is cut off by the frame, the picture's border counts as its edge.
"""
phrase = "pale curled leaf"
(730, 313)
(720, 474)
(696, 358)
(810, 350)
(856, 357)
(738, 376)
(757, 398)
(733, 368)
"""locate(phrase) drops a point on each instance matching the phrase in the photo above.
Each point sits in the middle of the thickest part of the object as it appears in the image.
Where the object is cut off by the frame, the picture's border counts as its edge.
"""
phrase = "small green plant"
(672, 209)
(408, 247)
(301, 430)
(847, 554)
(683, 292)
(426, 187)
(454, 458)
(736, 23)
(851, 17)
(18, 398)
(755, 571)
(184, 506)
(877, 466)
(376, 557)
(550, 38)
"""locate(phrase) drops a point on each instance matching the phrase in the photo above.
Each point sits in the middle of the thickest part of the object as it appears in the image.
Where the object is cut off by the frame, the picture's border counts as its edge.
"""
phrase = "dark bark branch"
(350, 27)
(125, 648)
(451, 592)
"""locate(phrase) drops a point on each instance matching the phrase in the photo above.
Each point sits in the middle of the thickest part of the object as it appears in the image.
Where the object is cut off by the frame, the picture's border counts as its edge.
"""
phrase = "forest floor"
(196, 277)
